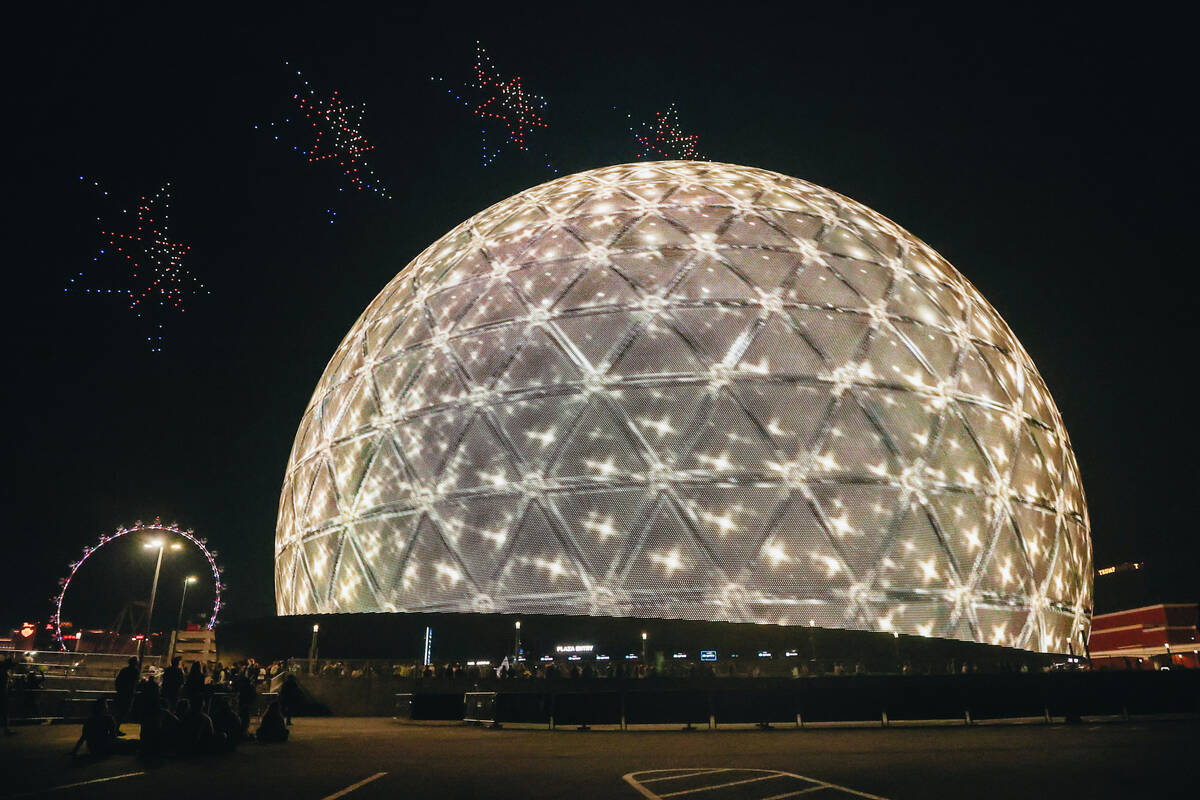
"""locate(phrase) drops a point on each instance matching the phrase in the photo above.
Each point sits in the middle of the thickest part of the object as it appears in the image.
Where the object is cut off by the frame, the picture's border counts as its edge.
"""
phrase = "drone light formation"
(156, 284)
(337, 138)
(663, 138)
(504, 103)
(688, 390)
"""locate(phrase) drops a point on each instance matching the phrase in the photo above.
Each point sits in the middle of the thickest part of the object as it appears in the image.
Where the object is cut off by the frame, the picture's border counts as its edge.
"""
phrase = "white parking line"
(797, 793)
(636, 780)
(723, 785)
(354, 786)
(74, 785)
(847, 789)
(682, 774)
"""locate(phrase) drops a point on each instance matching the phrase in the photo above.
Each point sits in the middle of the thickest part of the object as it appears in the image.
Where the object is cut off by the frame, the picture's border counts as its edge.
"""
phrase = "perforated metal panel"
(688, 390)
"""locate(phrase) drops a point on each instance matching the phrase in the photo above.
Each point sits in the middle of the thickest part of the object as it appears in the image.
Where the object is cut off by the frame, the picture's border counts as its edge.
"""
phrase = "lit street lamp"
(179, 619)
(312, 648)
(517, 642)
(160, 545)
(643, 647)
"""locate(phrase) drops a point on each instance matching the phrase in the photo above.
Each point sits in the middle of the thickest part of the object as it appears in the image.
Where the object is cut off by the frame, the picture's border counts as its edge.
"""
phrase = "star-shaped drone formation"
(337, 138)
(664, 139)
(505, 101)
(157, 283)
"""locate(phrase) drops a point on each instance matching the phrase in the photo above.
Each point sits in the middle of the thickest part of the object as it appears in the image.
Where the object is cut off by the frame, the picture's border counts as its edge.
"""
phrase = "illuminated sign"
(791, 653)
(630, 657)
(708, 655)
(679, 655)
(764, 653)
(574, 648)
(1125, 566)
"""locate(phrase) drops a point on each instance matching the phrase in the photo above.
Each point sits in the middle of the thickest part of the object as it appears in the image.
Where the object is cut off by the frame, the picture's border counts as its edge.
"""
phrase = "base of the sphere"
(604, 641)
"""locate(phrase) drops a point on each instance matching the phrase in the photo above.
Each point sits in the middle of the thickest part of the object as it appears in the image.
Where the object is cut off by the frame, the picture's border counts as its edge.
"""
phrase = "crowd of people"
(589, 669)
(189, 712)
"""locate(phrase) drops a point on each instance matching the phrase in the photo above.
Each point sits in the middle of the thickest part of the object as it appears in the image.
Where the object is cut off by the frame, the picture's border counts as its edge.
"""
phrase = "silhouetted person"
(273, 727)
(244, 687)
(160, 731)
(146, 698)
(126, 684)
(290, 697)
(196, 734)
(6, 666)
(172, 682)
(99, 731)
(193, 687)
(226, 725)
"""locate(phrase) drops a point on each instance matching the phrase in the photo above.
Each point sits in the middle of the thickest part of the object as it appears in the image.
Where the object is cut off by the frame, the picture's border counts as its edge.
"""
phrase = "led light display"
(139, 527)
(688, 390)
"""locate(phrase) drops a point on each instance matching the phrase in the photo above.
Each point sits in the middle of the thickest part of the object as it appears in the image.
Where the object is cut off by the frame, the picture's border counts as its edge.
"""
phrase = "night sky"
(1045, 154)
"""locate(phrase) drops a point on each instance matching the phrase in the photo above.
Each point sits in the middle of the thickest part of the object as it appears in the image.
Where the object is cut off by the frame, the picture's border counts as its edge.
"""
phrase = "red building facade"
(1150, 637)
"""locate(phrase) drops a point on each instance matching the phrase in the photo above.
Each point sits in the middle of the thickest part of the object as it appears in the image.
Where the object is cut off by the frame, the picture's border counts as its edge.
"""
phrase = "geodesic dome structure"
(688, 390)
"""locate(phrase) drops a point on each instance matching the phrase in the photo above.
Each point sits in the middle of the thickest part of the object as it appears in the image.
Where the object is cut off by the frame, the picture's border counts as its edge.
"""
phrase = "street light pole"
(150, 610)
(312, 648)
(643, 647)
(517, 642)
(179, 619)
(161, 546)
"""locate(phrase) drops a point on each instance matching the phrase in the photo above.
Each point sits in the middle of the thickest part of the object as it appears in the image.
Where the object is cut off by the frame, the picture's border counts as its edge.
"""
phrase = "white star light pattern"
(688, 390)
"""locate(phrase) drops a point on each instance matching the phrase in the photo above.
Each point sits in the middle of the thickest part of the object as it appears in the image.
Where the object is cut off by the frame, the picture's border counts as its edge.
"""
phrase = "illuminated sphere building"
(692, 391)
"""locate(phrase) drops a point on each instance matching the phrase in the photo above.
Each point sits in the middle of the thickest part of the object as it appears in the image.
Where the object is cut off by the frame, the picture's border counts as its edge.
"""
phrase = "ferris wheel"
(139, 527)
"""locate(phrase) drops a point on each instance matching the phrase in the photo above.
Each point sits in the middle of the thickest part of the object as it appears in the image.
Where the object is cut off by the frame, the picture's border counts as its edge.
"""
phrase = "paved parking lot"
(364, 759)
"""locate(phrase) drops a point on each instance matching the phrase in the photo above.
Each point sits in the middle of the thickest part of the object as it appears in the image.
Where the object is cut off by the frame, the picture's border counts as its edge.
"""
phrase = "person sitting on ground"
(146, 698)
(160, 731)
(196, 734)
(226, 725)
(273, 727)
(99, 732)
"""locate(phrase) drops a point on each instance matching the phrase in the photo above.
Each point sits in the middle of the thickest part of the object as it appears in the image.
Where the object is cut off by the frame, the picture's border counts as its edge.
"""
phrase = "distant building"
(1121, 586)
(1146, 638)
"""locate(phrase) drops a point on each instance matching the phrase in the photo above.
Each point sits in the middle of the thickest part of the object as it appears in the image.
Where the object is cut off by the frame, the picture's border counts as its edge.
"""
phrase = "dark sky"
(1047, 154)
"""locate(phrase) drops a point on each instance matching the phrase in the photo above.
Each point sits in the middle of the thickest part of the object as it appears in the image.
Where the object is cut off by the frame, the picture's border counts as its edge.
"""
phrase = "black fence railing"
(855, 699)
(73, 705)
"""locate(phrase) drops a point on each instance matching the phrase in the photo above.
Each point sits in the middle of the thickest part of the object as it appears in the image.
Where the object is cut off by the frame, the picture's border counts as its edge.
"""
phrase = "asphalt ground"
(379, 758)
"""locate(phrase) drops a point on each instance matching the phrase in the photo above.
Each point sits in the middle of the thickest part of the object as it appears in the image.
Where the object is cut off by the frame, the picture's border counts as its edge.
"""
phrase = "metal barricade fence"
(479, 707)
